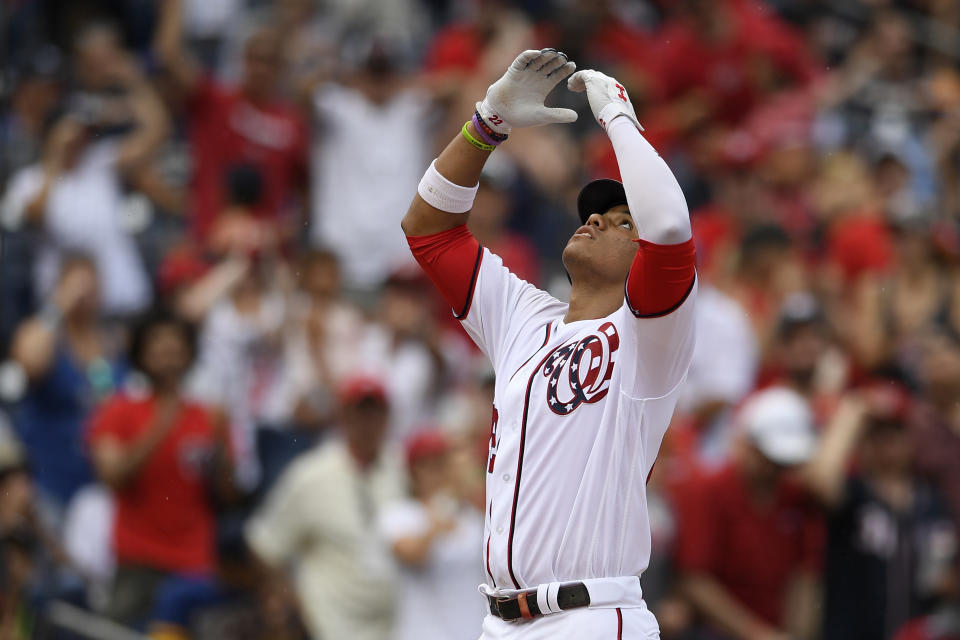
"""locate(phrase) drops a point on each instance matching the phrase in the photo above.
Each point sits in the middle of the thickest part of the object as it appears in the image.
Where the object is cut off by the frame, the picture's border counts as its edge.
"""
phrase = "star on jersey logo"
(586, 365)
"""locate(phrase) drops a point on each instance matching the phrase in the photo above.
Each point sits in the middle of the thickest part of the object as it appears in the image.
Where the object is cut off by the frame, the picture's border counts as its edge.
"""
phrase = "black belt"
(524, 603)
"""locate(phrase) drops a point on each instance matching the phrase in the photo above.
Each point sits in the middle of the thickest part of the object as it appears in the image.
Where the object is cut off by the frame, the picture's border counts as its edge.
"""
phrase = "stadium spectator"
(875, 93)
(804, 355)
(239, 365)
(767, 268)
(166, 461)
(915, 294)
(934, 421)
(407, 349)
(36, 93)
(33, 566)
(321, 344)
(319, 520)
(375, 106)
(71, 363)
(435, 535)
(75, 193)
(237, 605)
(248, 125)
(891, 541)
(749, 536)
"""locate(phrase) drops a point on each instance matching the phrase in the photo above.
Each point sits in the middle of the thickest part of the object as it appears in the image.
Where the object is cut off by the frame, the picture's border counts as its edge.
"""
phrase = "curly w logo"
(580, 371)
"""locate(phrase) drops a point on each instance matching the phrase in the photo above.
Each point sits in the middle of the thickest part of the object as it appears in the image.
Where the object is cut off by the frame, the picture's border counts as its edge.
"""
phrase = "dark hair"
(764, 236)
(20, 538)
(244, 184)
(148, 323)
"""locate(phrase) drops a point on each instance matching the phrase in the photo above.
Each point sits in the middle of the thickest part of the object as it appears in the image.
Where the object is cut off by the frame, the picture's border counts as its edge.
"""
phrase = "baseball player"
(585, 389)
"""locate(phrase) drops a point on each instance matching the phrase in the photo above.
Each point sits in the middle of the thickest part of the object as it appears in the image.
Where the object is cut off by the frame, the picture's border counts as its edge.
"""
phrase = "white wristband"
(613, 111)
(442, 194)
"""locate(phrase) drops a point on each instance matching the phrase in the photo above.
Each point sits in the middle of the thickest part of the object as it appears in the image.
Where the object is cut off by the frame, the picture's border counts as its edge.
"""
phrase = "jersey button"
(500, 529)
(506, 477)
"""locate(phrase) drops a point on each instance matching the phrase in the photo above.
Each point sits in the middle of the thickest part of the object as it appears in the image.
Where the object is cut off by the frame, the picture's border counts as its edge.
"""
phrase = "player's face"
(603, 247)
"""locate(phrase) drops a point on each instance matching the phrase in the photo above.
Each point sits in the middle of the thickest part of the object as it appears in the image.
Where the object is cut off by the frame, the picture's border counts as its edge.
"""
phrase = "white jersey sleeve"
(659, 348)
(505, 311)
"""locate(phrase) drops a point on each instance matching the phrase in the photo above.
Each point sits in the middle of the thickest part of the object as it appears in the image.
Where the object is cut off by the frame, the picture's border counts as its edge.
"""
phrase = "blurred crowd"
(231, 406)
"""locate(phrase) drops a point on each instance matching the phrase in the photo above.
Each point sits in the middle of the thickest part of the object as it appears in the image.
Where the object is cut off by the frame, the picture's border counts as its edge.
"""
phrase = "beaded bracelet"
(483, 134)
(486, 130)
(477, 143)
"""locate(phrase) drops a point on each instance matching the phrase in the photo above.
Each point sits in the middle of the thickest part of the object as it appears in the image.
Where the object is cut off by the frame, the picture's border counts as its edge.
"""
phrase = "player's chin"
(576, 252)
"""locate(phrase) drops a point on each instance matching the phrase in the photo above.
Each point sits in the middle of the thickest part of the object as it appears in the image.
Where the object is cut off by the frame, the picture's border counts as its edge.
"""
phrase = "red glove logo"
(623, 92)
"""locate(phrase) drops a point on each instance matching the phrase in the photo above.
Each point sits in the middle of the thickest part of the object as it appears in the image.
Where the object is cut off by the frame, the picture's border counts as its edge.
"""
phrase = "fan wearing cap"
(435, 534)
(320, 517)
(891, 541)
(748, 533)
(584, 389)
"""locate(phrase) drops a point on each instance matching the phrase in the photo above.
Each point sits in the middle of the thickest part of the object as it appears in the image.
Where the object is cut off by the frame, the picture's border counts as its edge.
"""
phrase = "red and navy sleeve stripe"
(661, 278)
(451, 259)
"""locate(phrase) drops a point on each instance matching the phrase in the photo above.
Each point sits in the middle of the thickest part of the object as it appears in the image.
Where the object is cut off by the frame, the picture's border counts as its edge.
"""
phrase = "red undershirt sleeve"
(451, 259)
(661, 277)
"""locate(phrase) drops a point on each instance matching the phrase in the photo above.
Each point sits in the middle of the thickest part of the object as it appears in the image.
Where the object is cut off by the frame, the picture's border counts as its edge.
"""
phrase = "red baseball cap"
(887, 400)
(180, 267)
(360, 387)
(426, 443)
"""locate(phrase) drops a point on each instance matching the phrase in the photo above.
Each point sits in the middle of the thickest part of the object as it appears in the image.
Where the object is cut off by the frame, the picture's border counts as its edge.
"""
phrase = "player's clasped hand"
(516, 99)
(608, 98)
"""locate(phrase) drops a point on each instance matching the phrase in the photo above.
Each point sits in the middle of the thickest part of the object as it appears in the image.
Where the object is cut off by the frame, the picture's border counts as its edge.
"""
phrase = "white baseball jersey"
(579, 412)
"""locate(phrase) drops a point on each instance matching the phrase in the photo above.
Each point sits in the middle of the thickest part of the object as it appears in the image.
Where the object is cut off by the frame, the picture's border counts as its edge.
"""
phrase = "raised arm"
(446, 193)
(151, 122)
(656, 202)
(169, 49)
(663, 272)
(435, 224)
(826, 472)
(460, 164)
(34, 344)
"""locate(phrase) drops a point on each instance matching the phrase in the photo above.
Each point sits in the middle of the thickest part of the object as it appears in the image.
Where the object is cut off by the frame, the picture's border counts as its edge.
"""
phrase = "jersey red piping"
(473, 284)
(516, 485)
(490, 573)
(546, 339)
(619, 624)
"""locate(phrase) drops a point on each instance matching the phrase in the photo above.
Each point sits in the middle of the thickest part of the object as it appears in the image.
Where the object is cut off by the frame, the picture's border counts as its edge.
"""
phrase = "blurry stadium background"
(209, 192)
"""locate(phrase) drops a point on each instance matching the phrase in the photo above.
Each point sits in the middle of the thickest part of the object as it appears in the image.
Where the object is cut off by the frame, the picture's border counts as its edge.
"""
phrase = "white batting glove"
(516, 99)
(608, 99)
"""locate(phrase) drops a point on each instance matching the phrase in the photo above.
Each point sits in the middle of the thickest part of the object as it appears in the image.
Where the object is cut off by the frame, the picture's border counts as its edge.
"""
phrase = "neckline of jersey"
(561, 324)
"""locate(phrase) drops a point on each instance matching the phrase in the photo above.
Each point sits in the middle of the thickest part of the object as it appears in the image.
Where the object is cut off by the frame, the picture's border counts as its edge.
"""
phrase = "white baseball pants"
(635, 623)
(616, 612)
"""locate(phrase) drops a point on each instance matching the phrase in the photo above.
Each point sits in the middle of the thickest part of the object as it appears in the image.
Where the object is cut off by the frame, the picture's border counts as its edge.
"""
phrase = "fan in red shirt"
(746, 534)
(162, 456)
(248, 126)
